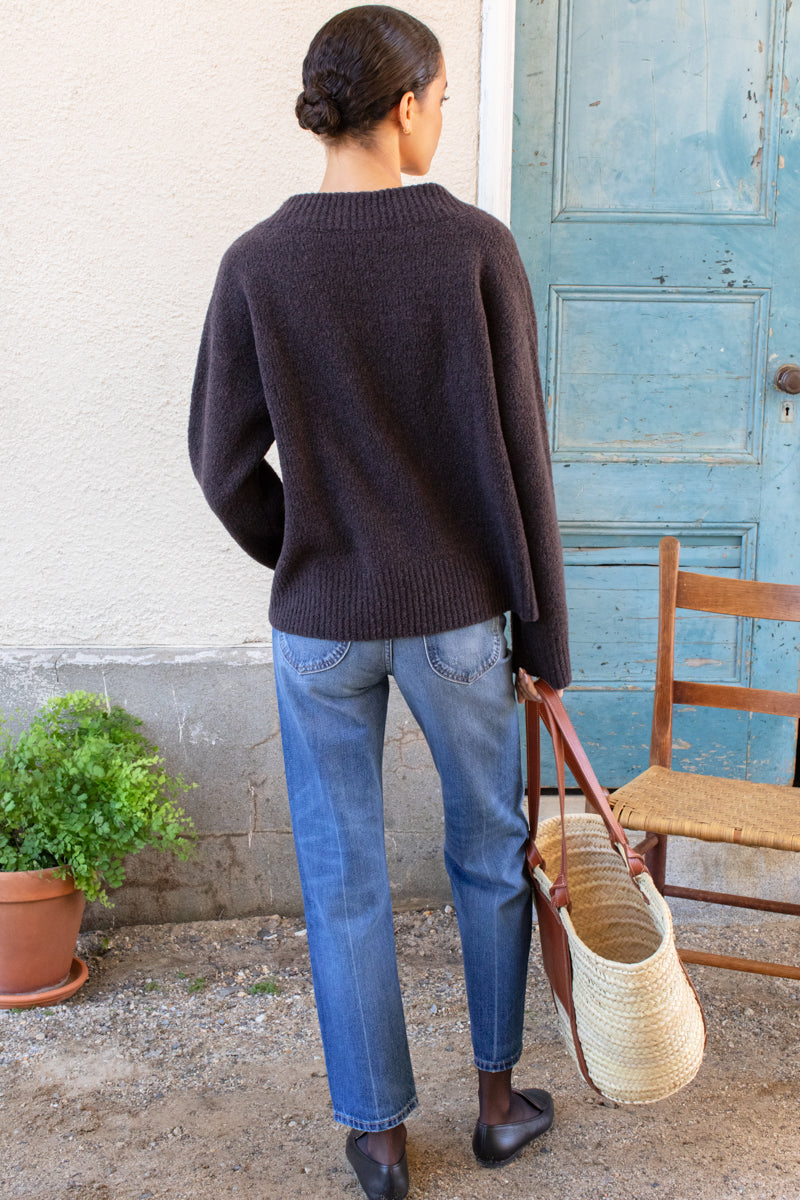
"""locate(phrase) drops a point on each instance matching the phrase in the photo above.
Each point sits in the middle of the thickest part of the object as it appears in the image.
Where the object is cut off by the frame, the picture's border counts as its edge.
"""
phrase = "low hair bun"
(318, 111)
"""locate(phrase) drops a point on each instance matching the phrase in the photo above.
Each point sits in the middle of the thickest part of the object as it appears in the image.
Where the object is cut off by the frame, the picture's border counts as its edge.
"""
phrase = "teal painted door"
(655, 200)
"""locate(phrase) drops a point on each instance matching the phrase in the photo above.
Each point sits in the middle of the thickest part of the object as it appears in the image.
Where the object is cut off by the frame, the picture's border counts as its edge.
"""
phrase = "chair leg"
(656, 861)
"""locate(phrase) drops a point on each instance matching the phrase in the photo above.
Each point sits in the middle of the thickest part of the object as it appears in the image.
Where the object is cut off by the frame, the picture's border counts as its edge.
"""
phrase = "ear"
(404, 108)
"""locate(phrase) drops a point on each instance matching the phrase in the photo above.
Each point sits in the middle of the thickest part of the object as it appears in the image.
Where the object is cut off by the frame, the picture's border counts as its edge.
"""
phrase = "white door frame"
(496, 114)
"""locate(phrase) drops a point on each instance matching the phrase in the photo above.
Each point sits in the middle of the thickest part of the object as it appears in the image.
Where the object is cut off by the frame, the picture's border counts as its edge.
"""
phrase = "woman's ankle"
(494, 1097)
(387, 1146)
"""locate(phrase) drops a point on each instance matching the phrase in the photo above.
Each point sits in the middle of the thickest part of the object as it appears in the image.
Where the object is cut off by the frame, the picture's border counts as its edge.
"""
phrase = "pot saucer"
(78, 974)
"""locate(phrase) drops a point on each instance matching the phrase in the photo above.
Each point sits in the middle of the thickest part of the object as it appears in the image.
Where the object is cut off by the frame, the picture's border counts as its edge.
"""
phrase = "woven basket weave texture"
(639, 1022)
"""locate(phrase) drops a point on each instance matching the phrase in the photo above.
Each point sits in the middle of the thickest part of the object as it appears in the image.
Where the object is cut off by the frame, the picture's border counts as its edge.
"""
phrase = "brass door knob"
(787, 378)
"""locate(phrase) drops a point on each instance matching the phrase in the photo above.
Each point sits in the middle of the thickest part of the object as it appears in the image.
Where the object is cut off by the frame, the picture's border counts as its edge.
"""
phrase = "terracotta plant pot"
(40, 917)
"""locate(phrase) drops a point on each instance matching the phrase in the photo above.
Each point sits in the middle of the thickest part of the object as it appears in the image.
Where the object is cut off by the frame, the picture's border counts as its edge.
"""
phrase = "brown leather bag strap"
(553, 935)
(559, 891)
(557, 719)
(533, 712)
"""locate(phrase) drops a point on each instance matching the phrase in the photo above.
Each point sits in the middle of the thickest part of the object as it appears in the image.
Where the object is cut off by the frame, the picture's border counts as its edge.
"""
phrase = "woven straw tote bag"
(625, 1006)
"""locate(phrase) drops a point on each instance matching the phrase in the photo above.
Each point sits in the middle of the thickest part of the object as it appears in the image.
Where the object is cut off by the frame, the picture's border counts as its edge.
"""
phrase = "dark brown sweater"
(387, 341)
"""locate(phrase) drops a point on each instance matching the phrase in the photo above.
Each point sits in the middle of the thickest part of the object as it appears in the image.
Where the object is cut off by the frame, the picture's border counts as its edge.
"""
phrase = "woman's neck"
(352, 168)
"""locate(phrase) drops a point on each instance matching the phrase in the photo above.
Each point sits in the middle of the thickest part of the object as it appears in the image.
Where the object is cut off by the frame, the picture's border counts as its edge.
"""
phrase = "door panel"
(667, 109)
(631, 375)
(655, 192)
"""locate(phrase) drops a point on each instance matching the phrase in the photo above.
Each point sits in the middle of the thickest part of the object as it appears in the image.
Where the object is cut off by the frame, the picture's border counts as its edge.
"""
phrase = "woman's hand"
(526, 688)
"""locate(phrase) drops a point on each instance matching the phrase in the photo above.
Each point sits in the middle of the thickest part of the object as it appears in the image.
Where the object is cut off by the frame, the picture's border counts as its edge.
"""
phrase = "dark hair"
(359, 65)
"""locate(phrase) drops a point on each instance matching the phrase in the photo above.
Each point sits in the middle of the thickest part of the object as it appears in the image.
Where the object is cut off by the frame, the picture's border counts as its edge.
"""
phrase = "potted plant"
(80, 789)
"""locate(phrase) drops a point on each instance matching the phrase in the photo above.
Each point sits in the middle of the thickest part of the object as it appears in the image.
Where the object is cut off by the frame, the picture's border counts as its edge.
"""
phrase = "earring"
(406, 131)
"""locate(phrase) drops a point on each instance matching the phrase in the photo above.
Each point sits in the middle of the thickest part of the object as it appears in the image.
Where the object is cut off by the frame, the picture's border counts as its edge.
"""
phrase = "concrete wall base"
(213, 714)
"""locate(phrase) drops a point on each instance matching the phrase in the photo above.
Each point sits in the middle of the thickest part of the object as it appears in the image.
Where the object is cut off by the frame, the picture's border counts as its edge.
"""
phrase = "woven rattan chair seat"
(710, 808)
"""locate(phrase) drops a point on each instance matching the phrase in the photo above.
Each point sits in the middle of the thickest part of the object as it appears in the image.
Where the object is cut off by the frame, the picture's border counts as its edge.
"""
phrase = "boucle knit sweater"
(386, 340)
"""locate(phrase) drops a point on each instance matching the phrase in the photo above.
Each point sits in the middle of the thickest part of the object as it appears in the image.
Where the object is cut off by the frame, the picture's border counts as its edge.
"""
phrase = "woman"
(385, 337)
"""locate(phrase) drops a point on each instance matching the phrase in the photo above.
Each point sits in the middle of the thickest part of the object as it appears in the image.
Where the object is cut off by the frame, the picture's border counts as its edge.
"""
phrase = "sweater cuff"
(541, 649)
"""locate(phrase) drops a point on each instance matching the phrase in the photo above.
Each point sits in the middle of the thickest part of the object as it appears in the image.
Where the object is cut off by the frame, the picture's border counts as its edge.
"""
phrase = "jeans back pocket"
(307, 654)
(463, 655)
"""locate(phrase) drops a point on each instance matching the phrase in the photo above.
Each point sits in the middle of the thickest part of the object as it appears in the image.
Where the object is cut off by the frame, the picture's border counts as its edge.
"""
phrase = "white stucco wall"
(140, 140)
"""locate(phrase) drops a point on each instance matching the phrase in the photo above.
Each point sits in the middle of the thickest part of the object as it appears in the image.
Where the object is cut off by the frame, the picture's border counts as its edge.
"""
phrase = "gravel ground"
(189, 1066)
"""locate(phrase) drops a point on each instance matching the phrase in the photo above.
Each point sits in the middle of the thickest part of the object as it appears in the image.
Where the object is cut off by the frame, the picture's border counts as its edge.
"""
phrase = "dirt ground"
(189, 1066)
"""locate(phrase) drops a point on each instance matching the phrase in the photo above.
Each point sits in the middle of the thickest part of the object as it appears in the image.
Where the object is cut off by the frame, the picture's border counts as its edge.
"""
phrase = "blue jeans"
(332, 698)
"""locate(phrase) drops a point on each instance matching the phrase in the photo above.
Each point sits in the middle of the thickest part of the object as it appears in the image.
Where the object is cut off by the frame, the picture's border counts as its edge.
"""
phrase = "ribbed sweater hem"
(354, 603)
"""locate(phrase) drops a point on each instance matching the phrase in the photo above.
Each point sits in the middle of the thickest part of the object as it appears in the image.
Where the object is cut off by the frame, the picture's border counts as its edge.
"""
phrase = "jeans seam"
(335, 824)
(495, 963)
(484, 1064)
(377, 1126)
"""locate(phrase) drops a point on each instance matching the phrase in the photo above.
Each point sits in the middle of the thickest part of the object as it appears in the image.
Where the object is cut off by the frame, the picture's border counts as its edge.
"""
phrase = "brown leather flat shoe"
(378, 1181)
(496, 1145)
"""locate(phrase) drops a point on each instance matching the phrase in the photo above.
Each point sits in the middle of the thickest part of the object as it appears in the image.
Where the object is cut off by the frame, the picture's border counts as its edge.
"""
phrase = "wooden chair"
(661, 801)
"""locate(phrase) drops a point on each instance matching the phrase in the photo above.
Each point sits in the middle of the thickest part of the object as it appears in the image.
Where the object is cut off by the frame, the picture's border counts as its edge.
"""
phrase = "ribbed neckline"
(383, 207)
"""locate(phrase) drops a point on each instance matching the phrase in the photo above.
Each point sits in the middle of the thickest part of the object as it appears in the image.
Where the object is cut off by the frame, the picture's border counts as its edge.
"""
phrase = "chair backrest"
(711, 593)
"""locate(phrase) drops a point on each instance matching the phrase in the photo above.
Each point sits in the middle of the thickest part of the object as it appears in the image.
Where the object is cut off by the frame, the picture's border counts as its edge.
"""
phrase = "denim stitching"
(488, 872)
(484, 1064)
(356, 977)
(377, 1126)
(313, 666)
(445, 672)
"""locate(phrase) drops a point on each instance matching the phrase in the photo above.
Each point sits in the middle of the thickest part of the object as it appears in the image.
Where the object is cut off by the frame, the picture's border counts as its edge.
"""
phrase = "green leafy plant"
(264, 987)
(81, 789)
(197, 985)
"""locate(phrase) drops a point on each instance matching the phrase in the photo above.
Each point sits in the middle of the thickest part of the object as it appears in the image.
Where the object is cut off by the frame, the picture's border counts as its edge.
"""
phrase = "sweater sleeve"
(230, 429)
(540, 646)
